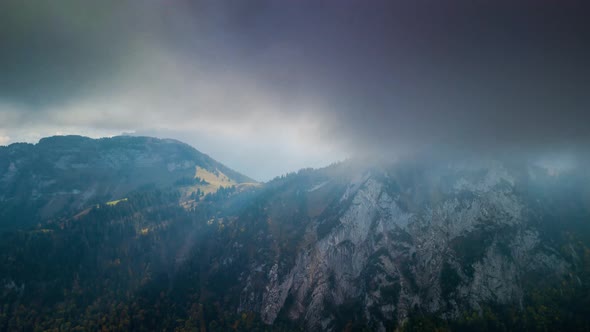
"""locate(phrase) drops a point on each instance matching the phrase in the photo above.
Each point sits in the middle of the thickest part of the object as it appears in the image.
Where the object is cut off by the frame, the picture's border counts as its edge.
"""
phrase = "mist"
(269, 87)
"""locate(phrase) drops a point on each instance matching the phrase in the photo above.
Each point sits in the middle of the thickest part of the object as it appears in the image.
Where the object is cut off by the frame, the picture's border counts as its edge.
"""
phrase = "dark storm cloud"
(52, 50)
(470, 74)
(363, 75)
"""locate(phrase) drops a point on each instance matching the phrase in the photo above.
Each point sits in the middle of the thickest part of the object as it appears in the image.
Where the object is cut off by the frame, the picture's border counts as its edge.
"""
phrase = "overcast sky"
(270, 86)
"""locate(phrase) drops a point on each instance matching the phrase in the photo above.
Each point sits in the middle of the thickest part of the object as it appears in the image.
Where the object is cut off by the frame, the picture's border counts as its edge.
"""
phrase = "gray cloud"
(296, 83)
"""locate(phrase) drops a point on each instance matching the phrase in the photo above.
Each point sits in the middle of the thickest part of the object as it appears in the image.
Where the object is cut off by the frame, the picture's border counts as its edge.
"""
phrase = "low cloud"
(269, 87)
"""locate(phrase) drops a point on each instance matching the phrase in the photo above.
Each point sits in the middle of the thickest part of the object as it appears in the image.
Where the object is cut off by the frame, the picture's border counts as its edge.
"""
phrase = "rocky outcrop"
(467, 244)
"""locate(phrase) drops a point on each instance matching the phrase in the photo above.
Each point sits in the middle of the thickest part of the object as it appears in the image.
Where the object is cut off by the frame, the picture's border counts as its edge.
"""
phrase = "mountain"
(63, 175)
(448, 239)
(425, 244)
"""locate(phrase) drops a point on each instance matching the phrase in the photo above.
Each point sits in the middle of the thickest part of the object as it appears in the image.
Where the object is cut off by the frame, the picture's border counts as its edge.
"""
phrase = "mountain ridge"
(63, 174)
(462, 244)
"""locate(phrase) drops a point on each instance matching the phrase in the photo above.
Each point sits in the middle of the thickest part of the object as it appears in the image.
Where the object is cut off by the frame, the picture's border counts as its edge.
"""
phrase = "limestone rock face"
(449, 239)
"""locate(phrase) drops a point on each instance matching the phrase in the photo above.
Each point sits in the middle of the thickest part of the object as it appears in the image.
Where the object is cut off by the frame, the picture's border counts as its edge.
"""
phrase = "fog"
(268, 87)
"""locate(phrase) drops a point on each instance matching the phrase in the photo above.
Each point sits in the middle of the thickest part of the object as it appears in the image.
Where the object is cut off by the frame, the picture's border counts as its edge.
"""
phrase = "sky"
(271, 86)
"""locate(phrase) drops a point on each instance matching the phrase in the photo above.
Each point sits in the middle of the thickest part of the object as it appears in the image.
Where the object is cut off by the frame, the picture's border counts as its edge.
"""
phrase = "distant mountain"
(61, 175)
(475, 245)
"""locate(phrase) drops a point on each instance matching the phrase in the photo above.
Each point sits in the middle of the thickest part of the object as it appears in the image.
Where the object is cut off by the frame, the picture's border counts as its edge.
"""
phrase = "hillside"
(62, 175)
(462, 245)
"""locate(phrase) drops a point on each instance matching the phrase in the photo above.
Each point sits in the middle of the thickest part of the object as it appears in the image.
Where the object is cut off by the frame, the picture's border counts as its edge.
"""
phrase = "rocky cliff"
(442, 239)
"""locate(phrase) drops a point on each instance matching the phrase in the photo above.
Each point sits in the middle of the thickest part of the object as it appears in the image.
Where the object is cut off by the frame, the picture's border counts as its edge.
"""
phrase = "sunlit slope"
(216, 179)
